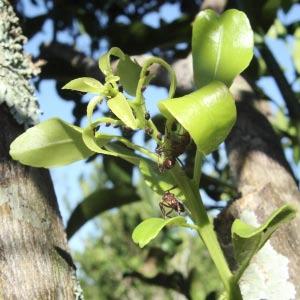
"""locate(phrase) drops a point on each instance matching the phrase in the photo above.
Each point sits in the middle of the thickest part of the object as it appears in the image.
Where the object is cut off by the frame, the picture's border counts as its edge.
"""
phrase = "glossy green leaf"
(50, 143)
(96, 142)
(102, 143)
(247, 240)
(84, 84)
(91, 107)
(222, 46)
(99, 201)
(104, 61)
(208, 114)
(129, 73)
(150, 228)
(159, 182)
(121, 108)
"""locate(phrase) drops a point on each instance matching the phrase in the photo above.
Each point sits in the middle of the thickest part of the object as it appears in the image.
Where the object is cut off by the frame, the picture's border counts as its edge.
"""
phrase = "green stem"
(105, 120)
(206, 231)
(136, 147)
(144, 77)
(197, 167)
(138, 104)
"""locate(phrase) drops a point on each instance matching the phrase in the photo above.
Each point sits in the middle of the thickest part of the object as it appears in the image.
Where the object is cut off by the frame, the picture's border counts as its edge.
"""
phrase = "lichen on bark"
(15, 70)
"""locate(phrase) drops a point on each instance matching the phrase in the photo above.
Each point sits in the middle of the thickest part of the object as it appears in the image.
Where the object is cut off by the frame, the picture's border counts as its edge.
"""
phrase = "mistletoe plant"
(222, 47)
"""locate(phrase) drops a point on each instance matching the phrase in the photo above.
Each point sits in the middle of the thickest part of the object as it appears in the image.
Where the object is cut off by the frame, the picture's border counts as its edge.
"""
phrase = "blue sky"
(65, 179)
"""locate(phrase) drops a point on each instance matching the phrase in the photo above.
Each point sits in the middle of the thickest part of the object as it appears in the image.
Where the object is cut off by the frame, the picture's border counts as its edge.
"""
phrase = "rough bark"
(34, 258)
(265, 182)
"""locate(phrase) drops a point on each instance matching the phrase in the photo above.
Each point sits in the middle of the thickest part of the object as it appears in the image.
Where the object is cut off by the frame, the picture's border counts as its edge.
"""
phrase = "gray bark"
(34, 258)
(265, 182)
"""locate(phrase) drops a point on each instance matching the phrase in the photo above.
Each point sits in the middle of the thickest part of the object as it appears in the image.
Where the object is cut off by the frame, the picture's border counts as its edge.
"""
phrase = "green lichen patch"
(15, 70)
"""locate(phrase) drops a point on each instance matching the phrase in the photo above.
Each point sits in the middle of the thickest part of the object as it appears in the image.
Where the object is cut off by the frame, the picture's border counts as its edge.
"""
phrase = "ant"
(169, 200)
(173, 146)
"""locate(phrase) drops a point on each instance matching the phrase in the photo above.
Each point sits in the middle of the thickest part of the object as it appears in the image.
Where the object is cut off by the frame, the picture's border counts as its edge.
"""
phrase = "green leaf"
(150, 228)
(222, 46)
(84, 84)
(104, 61)
(50, 143)
(91, 107)
(129, 73)
(208, 114)
(247, 240)
(121, 108)
(97, 142)
(99, 201)
(159, 182)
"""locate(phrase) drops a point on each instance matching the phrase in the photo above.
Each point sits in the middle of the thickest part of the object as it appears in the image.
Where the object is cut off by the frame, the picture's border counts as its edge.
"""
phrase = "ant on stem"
(169, 200)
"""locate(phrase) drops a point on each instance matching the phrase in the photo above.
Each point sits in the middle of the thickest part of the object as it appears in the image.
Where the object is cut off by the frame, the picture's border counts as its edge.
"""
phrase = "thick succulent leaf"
(96, 143)
(104, 61)
(84, 84)
(150, 228)
(99, 201)
(159, 182)
(121, 108)
(208, 114)
(222, 46)
(91, 107)
(247, 240)
(50, 143)
(129, 73)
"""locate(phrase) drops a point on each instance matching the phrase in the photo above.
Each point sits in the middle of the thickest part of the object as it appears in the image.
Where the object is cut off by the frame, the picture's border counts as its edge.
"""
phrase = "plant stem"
(133, 146)
(144, 77)
(197, 167)
(105, 120)
(138, 104)
(206, 230)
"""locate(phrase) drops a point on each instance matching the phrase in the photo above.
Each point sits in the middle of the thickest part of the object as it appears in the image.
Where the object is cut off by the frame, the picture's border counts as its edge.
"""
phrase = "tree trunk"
(34, 258)
(265, 182)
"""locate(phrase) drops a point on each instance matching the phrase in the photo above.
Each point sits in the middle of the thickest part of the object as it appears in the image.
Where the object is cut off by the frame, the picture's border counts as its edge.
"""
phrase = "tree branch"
(175, 281)
(292, 103)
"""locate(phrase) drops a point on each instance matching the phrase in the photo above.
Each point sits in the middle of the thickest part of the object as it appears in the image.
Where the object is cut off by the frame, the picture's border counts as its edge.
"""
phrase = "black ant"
(169, 200)
(173, 146)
